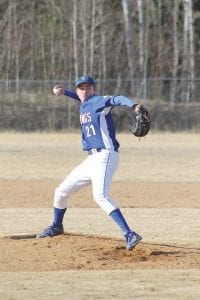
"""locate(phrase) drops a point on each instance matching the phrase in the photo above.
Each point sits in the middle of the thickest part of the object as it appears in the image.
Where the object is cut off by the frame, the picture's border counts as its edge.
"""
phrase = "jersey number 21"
(90, 130)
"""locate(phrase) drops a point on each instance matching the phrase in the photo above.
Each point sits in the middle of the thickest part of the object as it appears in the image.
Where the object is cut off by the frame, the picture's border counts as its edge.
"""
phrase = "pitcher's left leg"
(104, 167)
(104, 164)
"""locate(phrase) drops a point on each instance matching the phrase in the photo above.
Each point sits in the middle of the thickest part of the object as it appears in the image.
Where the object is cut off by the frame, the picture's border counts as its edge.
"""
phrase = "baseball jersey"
(98, 129)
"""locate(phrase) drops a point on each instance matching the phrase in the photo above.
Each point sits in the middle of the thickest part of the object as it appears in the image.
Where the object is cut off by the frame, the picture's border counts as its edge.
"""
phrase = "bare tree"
(191, 46)
(143, 45)
(151, 37)
(129, 41)
(83, 18)
(141, 36)
(59, 19)
(43, 56)
(103, 47)
(52, 27)
(8, 48)
(32, 38)
(146, 51)
(160, 43)
(188, 52)
(92, 30)
(160, 37)
(17, 46)
(175, 54)
(74, 28)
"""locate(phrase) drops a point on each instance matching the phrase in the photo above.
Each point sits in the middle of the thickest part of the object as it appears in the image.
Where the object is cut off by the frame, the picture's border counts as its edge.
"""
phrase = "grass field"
(157, 185)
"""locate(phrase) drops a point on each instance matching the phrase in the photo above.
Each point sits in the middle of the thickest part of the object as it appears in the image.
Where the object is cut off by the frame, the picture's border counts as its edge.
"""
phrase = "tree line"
(116, 40)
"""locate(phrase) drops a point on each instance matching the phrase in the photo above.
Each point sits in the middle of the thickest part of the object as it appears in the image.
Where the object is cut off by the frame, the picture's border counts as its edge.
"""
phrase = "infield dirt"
(157, 185)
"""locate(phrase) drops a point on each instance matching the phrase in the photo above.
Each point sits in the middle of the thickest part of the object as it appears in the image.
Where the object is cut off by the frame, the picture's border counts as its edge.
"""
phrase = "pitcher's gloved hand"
(141, 121)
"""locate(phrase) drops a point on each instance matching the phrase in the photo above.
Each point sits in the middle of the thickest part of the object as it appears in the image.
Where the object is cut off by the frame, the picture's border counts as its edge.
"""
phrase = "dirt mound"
(25, 253)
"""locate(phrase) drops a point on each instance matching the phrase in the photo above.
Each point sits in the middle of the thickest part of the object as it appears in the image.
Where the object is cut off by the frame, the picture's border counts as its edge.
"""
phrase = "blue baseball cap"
(85, 79)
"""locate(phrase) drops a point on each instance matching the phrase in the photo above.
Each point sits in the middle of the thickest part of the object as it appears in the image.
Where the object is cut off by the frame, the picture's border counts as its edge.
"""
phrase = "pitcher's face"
(84, 91)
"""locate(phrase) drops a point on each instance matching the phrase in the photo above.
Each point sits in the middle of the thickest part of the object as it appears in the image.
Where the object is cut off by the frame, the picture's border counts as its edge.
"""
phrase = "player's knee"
(99, 196)
(105, 202)
(100, 200)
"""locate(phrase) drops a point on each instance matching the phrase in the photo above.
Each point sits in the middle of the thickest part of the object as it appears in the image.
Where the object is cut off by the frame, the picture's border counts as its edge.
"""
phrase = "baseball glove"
(141, 122)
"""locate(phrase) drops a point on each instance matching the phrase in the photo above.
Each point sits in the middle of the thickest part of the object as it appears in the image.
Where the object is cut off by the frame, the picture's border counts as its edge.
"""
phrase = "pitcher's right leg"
(76, 180)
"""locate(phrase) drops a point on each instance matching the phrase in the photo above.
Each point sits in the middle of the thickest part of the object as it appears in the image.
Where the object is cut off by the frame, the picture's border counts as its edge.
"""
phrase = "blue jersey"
(98, 129)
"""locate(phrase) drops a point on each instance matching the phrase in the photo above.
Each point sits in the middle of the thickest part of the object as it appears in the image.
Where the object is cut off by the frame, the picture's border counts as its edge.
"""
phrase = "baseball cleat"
(132, 239)
(50, 232)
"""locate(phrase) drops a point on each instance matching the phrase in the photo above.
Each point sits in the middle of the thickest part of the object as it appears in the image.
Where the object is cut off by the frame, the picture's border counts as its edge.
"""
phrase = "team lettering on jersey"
(85, 118)
(89, 130)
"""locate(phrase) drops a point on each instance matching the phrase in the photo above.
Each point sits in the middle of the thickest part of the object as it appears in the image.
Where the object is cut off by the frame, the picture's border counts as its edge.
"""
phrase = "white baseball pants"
(98, 169)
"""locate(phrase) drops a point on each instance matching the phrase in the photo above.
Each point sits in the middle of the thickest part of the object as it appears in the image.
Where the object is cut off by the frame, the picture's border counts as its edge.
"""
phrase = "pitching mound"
(25, 253)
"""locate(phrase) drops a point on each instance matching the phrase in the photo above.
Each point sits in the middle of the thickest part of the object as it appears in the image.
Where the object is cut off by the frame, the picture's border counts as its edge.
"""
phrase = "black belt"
(96, 150)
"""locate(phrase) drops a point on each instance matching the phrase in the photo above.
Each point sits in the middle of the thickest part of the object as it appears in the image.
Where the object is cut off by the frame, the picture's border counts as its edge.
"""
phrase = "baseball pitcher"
(102, 148)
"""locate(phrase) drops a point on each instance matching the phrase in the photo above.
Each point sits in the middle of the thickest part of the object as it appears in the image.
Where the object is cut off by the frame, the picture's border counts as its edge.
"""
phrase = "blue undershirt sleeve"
(71, 94)
(122, 101)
